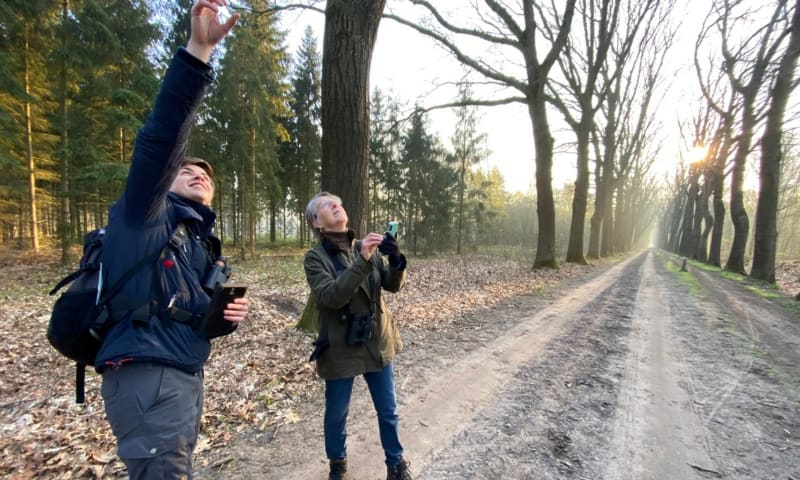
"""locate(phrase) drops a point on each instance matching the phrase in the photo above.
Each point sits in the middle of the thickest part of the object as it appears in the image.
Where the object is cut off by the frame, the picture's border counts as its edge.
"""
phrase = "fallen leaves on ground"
(255, 378)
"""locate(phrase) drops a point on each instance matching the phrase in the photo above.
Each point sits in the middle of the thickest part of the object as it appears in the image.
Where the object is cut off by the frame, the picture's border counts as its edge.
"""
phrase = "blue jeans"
(337, 405)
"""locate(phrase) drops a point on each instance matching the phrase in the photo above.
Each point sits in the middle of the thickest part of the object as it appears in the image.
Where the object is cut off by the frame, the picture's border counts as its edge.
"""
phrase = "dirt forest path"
(631, 374)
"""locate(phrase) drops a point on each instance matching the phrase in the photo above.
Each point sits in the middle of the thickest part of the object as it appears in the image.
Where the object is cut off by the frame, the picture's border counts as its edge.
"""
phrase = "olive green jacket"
(352, 286)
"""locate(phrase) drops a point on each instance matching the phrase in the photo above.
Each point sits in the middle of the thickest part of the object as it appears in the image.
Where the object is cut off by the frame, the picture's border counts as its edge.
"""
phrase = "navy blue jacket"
(142, 221)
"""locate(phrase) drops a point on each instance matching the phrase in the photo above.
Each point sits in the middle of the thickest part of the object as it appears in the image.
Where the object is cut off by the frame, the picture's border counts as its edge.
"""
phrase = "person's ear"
(315, 223)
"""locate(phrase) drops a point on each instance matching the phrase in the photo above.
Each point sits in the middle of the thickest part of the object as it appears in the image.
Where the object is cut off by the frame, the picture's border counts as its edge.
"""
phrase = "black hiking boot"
(338, 469)
(399, 472)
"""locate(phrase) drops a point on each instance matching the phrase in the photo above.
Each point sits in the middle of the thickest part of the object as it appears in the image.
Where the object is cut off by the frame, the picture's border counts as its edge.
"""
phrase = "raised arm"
(161, 142)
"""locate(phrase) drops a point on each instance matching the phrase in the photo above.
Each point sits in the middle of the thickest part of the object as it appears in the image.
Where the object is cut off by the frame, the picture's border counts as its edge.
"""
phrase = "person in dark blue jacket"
(152, 357)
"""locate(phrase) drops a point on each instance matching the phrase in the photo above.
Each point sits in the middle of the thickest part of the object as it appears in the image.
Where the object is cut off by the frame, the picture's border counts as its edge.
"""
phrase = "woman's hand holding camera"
(386, 244)
(369, 244)
(391, 249)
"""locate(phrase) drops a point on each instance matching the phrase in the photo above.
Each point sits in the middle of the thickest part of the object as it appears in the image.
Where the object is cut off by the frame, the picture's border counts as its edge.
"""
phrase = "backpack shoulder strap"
(178, 239)
(66, 280)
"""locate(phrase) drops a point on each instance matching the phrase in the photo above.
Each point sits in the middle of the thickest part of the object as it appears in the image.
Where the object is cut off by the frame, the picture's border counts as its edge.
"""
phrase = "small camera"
(359, 329)
(391, 229)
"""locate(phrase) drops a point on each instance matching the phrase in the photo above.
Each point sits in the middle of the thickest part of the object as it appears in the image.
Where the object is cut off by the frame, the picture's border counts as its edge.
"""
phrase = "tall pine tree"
(302, 154)
(250, 100)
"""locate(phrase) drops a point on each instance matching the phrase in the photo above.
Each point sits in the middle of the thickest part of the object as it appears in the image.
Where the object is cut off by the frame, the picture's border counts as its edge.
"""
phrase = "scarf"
(338, 241)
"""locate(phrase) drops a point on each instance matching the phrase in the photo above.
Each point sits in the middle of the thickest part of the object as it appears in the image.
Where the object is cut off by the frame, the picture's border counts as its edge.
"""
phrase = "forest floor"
(624, 369)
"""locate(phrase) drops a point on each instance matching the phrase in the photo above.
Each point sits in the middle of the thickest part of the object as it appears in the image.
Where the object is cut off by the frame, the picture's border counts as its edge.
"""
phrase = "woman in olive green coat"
(357, 333)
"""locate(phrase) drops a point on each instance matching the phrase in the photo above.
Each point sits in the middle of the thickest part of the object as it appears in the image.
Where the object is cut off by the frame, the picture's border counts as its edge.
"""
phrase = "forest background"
(79, 76)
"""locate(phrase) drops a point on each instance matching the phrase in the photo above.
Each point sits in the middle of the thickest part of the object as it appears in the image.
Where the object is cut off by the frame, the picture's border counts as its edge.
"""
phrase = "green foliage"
(387, 173)
(300, 156)
(243, 124)
(428, 188)
(26, 145)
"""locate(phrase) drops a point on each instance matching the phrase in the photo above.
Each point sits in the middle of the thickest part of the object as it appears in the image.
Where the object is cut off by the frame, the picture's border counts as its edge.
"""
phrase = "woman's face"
(331, 216)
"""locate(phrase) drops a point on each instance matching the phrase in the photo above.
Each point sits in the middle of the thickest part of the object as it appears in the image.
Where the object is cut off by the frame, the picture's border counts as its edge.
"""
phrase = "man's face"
(193, 182)
(331, 216)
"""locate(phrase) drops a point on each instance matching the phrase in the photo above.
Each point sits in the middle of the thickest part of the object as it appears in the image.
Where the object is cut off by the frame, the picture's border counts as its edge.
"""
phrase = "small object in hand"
(391, 249)
(213, 324)
(223, 14)
(391, 229)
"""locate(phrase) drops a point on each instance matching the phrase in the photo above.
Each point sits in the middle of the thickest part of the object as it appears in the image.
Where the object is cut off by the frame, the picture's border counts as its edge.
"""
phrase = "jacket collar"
(334, 242)
(186, 209)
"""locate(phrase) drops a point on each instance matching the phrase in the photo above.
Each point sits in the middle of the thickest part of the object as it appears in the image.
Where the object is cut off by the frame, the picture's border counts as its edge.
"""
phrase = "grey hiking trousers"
(154, 411)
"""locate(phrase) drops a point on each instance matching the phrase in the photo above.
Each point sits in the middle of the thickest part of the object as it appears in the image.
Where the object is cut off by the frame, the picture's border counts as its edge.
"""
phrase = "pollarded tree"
(577, 96)
(720, 98)
(625, 132)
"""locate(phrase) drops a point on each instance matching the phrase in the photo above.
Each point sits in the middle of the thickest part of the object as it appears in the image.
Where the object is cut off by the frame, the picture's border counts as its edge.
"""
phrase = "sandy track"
(622, 376)
(657, 432)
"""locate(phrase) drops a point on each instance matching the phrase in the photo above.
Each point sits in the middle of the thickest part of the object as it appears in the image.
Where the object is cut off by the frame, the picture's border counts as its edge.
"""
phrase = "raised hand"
(369, 244)
(206, 29)
(391, 249)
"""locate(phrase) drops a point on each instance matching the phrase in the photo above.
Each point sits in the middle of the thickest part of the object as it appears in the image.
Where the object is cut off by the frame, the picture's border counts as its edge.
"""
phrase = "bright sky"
(408, 66)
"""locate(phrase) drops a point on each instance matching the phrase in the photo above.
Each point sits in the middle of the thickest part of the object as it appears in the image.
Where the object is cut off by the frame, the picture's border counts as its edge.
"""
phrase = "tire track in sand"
(657, 434)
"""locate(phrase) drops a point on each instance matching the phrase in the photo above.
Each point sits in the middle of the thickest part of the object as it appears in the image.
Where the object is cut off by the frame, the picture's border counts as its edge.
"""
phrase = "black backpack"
(80, 316)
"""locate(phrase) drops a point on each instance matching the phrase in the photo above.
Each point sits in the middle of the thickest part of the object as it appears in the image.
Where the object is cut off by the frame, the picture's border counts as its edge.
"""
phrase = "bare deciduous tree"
(577, 96)
(503, 28)
(748, 64)
(625, 127)
(771, 154)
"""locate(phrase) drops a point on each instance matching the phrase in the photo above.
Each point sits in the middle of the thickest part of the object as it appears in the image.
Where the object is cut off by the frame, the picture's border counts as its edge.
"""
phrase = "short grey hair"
(311, 210)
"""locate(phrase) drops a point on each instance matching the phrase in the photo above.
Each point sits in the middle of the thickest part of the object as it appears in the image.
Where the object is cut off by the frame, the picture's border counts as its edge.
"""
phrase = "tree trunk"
(703, 215)
(741, 222)
(607, 232)
(545, 204)
(766, 233)
(461, 188)
(675, 225)
(351, 28)
(251, 187)
(63, 228)
(597, 217)
(689, 235)
(717, 181)
(580, 197)
(34, 228)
